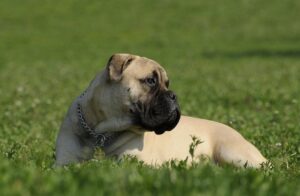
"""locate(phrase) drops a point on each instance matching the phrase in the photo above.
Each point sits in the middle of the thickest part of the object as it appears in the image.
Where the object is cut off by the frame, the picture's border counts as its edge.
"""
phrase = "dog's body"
(218, 142)
(126, 103)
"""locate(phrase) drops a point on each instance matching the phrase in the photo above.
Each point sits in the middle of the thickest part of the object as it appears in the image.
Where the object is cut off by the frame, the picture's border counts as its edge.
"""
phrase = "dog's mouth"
(159, 127)
(159, 116)
(169, 124)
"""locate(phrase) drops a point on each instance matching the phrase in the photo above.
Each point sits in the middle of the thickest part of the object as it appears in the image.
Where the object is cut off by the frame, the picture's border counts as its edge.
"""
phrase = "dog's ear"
(117, 64)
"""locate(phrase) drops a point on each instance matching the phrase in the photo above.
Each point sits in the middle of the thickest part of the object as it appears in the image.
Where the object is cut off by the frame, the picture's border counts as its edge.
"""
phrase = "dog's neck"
(108, 141)
(89, 107)
(92, 116)
(88, 119)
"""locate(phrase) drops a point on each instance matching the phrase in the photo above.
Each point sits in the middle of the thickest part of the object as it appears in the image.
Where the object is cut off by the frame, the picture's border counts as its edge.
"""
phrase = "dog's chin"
(168, 125)
(159, 132)
(161, 127)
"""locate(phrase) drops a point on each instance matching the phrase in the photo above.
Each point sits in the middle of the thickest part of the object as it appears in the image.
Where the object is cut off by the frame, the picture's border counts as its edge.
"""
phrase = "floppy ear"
(117, 64)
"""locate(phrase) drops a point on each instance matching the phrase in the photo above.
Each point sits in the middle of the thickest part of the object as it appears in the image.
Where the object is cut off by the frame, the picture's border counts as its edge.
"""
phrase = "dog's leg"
(239, 153)
(114, 125)
(71, 149)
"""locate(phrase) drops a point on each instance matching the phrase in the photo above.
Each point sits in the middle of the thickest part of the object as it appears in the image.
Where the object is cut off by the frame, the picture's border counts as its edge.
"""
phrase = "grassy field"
(236, 62)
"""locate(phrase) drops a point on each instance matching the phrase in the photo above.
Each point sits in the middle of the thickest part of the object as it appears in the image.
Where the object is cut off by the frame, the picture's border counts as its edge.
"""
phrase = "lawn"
(235, 62)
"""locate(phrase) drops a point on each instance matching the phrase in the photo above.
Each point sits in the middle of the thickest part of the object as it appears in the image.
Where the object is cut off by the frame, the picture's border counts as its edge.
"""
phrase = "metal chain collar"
(100, 138)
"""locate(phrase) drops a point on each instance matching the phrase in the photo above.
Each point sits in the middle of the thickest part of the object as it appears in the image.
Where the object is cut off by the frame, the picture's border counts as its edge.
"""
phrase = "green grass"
(236, 62)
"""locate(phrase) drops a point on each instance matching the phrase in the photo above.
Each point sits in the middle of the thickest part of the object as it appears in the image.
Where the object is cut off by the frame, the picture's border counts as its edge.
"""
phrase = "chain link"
(100, 138)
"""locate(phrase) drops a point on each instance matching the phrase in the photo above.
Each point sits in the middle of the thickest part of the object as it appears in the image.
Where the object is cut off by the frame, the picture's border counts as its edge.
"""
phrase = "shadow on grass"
(253, 53)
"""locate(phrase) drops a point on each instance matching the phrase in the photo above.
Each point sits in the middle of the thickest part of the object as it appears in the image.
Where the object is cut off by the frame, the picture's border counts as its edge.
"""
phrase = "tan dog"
(127, 108)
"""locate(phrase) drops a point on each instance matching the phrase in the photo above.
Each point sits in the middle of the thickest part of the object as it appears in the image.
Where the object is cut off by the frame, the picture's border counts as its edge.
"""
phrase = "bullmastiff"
(127, 109)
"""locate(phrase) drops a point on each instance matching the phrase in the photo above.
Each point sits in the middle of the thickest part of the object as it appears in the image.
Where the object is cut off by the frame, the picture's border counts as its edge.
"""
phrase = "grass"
(236, 62)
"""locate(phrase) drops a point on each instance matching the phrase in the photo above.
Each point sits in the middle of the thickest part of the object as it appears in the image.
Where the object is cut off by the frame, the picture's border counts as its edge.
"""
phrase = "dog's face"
(152, 105)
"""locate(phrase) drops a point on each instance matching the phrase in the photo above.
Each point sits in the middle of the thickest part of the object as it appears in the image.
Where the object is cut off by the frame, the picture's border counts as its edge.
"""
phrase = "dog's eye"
(151, 81)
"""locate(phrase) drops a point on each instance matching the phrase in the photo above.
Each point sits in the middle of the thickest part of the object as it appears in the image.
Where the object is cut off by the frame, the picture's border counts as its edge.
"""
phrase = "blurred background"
(71, 30)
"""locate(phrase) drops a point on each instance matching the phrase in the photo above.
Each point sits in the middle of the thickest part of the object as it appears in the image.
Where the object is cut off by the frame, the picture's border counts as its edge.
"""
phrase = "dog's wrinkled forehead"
(142, 67)
(127, 67)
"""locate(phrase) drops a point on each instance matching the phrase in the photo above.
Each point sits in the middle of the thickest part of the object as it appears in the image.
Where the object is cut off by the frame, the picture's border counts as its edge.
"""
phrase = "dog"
(128, 110)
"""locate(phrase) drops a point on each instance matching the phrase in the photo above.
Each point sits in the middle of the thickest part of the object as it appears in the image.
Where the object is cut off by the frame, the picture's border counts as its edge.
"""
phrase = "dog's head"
(145, 84)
